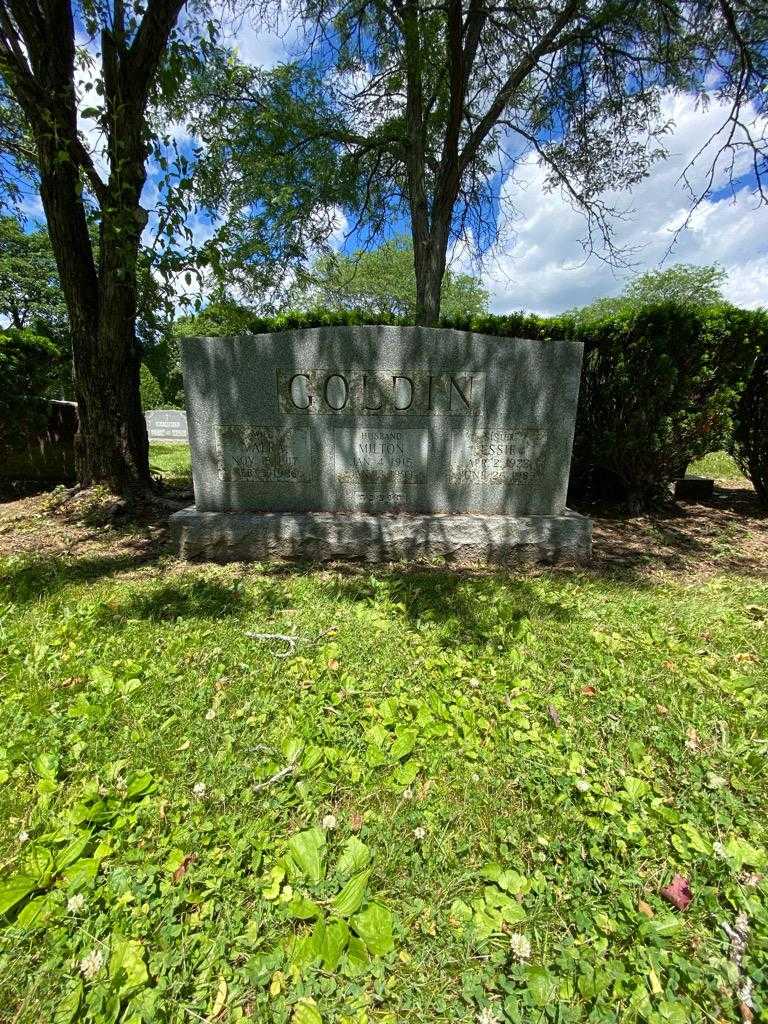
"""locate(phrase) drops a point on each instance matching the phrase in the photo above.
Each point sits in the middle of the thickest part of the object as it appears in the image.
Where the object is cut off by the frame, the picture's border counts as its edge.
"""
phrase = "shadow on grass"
(30, 577)
(478, 607)
(728, 533)
(179, 599)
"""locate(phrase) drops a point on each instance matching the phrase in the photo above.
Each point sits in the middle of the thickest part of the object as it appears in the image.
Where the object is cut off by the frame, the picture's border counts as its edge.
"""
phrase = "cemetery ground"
(291, 793)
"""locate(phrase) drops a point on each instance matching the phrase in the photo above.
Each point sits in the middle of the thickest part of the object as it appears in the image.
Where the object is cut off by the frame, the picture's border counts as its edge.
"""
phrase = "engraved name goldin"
(377, 393)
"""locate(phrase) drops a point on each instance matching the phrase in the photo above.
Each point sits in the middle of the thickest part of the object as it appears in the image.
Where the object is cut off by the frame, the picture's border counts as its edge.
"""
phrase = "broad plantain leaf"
(354, 857)
(68, 1006)
(307, 850)
(127, 968)
(351, 897)
(14, 890)
(374, 926)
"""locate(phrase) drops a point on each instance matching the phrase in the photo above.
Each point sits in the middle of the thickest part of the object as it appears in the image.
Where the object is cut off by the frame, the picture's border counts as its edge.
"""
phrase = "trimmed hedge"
(658, 389)
(750, 435)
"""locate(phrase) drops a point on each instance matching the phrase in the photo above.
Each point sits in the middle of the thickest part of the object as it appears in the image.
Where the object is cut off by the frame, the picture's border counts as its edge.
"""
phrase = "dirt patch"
(728, 533)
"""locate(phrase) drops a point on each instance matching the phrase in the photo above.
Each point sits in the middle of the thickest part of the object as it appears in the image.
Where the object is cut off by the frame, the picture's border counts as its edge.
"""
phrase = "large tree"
(381, 281)
(41, 64)
(431, 106)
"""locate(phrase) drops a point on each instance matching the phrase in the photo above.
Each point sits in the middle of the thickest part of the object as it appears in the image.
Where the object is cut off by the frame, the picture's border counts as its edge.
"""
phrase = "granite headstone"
(167, 425)
(370, 424)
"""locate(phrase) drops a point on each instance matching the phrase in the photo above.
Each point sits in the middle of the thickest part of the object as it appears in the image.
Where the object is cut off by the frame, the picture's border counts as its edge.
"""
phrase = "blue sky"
(540, 263)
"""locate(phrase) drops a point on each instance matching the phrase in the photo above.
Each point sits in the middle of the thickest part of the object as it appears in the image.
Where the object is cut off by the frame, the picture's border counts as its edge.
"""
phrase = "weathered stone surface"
(381, 419)
(167, 425)
(325, 536)
(39, 445)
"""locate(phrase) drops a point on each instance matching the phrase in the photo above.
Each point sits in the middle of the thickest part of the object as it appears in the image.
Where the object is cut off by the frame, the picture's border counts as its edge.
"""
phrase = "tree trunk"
(430, 249)
(111, 446)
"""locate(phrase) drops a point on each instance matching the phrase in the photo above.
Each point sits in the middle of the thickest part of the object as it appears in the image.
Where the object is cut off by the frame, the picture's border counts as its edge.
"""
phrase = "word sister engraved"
(375, 393)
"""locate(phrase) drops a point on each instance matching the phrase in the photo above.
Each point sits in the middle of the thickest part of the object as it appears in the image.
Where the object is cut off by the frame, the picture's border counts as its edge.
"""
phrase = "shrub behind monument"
(750, 436)
(658, 390)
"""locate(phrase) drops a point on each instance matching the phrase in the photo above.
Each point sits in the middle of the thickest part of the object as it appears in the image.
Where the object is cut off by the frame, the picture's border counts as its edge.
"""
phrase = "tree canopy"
(683, 284)
(30, 294)
(382, 282)
(404, 107)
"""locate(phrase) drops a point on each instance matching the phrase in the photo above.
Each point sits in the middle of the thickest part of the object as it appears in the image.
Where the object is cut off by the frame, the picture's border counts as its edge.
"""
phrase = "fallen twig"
(290, 640)
(288, 770)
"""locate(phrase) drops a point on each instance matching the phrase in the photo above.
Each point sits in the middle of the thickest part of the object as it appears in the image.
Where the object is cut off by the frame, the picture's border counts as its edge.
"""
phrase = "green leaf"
(302, 908)
(39, 864)
(335, 939)
(404, 743)
(542, 986)
(740, 852)
(71, 852)
(37, 913)
(461, 912)
(46, 766)
(306, 1012)
(405, 773)
(127, 968)
(307, 849)
(138, 785)
(355, 856)
(69, 1005)
(357, 955)
(351, 897)
(672, 1013)
(83, 872)
(374, 926)
(14, 890)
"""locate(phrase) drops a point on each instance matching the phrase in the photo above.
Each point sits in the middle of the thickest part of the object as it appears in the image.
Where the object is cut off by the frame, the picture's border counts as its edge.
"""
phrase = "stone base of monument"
(462, 539)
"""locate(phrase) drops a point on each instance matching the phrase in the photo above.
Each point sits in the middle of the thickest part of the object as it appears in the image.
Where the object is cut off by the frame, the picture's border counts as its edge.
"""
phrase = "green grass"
(529, 757)
(172, 463)
(719, 465)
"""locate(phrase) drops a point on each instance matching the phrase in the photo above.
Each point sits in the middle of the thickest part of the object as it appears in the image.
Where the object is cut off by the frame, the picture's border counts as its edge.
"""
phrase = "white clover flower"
(520, 946)
(329, 821)
(582, 785)
(199, 790)
(76, 903)
(91, 965)
(210, 714)
(408, 794)
(420, 833)
(487, 1016)
(23, 837)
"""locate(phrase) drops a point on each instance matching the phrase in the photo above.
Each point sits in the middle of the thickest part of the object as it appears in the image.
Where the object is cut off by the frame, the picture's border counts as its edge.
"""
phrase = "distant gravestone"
(40, 443)
(379, 443)
(167, 425)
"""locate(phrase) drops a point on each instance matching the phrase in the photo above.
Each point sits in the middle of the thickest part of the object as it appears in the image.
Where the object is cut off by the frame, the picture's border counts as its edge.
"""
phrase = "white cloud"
(546, 270)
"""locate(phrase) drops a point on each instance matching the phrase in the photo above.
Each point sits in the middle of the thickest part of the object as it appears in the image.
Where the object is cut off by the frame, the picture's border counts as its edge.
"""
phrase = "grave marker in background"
(167, 425)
